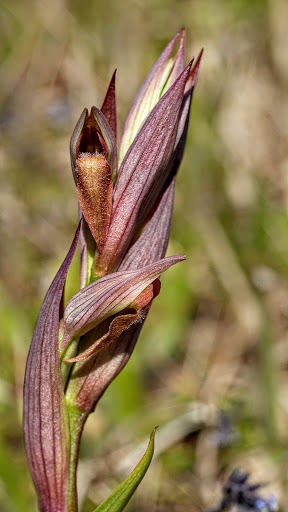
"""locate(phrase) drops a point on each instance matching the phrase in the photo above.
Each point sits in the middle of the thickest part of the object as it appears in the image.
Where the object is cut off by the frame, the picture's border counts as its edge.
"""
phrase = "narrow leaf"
(45, 417)
(119, 498)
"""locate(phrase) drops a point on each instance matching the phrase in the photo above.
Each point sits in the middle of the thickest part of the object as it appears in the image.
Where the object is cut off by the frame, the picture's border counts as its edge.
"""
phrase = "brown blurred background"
(211, 367)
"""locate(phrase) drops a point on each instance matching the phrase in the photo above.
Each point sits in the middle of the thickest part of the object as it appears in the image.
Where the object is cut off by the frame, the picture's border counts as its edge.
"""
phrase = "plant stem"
(77, 420)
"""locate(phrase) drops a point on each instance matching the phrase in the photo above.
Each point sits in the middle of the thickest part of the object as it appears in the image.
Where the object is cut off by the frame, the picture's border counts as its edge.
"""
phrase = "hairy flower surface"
(125, 208)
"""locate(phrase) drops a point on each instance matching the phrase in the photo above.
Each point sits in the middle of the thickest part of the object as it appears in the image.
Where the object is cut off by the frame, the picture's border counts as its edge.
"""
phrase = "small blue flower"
(260, 504)
(238, 492)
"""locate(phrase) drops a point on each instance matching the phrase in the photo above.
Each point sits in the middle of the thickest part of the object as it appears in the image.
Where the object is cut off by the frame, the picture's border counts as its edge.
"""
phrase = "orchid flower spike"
(125, 207)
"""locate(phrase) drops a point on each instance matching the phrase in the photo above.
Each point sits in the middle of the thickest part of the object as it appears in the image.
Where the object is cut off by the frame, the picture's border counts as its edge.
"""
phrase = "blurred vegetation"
(211, 366)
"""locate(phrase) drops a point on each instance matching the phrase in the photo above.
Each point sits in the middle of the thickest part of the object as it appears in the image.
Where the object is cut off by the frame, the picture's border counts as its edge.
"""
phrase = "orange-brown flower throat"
(95, 189)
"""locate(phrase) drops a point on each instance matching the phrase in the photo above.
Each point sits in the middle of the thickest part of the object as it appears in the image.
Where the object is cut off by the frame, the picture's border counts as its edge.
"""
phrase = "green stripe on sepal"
(119, 498)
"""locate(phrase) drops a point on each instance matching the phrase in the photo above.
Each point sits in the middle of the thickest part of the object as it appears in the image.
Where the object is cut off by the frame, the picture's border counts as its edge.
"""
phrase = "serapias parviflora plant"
(125, 209)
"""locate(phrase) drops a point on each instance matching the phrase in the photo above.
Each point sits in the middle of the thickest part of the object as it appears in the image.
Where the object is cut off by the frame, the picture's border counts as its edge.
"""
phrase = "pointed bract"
(45, 417)
(109, 106)
(151, 243)
(178, 63)
(151, 91)
(186, 103)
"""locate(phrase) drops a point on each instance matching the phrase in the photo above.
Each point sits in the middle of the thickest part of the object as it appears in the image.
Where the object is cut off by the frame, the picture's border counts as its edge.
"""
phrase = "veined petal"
(152, 240)
(45, 417)
(122, 322)
(152, 90)
(142, 175)
(107, 296)
(186, 104)
(109, 106)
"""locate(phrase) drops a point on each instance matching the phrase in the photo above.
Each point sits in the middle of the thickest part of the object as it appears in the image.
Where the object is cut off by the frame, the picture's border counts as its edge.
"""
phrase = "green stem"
(69, 352)
(77, 420)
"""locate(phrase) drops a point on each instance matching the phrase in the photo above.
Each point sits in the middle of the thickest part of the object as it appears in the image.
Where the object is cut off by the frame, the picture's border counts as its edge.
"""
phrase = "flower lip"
(93, 135)
(90, 140)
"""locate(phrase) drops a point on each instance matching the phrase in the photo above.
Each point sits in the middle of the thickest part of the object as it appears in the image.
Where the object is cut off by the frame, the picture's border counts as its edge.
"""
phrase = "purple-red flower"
(125, 207)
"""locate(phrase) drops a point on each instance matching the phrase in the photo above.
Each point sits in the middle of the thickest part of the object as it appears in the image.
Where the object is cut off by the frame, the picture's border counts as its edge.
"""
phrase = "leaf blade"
(122, 495)
(45, 422)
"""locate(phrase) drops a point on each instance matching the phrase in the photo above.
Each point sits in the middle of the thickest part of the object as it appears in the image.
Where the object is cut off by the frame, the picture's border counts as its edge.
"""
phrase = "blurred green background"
(211, 366)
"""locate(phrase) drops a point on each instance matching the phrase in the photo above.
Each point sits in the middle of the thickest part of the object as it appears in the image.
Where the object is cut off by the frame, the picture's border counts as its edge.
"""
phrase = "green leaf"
(119, 498)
